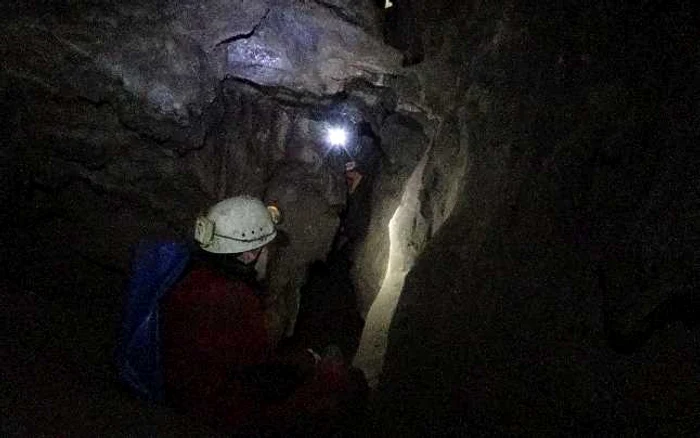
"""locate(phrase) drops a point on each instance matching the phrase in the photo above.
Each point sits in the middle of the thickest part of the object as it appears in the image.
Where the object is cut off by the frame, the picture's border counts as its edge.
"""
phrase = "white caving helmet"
(236, 225)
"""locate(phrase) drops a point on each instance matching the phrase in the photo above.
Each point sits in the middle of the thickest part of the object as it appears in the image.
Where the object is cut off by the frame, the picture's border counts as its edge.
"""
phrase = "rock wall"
(560, 295)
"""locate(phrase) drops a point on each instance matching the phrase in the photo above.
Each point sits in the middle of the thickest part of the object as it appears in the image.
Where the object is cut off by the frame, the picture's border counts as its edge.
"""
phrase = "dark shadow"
(683, 307)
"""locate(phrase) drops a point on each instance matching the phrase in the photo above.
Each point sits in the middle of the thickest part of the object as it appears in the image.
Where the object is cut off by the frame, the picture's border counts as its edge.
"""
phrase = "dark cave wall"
(561, 294)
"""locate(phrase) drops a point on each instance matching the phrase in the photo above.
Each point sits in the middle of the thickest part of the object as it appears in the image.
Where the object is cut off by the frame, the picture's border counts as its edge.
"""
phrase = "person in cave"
(328, 312)
(354, 219)
(219, 359)
(359, 178)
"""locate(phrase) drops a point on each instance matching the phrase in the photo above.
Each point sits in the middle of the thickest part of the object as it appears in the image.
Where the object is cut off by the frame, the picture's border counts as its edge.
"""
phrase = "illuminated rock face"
(127, 120)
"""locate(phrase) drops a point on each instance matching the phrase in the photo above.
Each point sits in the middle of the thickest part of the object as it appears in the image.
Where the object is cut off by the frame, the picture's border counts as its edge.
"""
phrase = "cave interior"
(523, 255)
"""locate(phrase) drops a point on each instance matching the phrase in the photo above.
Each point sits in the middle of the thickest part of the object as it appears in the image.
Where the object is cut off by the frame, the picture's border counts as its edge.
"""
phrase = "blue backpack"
(155, 268)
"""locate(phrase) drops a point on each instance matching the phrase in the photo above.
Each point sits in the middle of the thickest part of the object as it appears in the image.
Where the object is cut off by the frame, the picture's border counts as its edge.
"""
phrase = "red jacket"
(213, 327)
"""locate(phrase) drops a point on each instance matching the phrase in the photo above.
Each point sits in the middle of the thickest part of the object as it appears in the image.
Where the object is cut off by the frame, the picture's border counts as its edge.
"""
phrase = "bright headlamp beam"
(337, 136)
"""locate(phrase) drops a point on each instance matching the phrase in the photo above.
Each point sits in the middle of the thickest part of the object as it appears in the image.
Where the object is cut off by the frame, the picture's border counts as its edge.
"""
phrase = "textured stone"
(403, 144)
(128, 96)
(307, 46)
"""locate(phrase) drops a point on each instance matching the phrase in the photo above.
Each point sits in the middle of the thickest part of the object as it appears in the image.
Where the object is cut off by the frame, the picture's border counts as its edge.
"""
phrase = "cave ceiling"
(171, 55)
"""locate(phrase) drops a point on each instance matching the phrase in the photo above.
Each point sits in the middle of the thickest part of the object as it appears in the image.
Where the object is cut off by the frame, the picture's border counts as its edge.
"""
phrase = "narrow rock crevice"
(244, 36)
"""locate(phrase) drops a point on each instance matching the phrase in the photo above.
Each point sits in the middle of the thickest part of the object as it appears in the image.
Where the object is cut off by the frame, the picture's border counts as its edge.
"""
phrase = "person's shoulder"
(201, 272)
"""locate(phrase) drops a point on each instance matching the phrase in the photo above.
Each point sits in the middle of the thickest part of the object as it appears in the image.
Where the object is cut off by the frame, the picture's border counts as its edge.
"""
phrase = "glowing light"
(407, 228)
(337, 136)
(388, 4)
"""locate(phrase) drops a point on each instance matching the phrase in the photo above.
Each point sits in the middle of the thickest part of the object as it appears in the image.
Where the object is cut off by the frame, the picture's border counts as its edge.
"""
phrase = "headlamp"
(337, 137)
